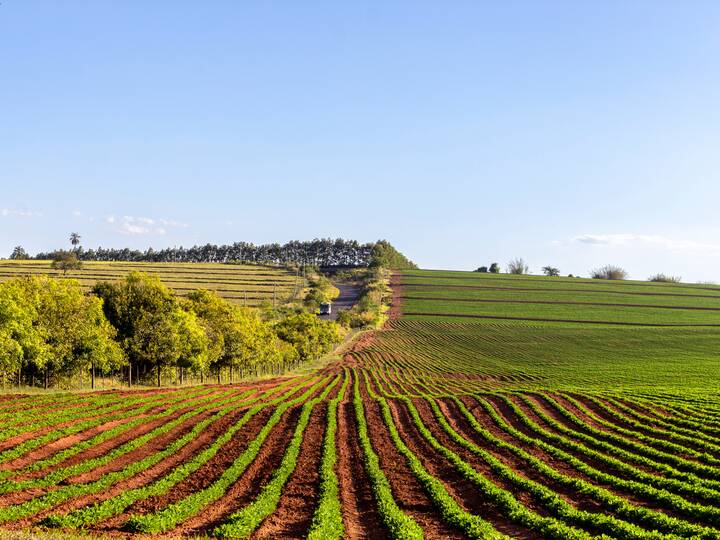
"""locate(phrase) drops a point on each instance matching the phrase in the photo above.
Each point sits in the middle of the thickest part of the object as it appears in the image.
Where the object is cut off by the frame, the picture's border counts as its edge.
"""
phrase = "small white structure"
(325, 308)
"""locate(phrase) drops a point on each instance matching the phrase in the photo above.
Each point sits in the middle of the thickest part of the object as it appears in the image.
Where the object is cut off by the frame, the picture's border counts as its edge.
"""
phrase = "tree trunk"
(202, 377)
(46, 378)
(92, 376)
(130, 374)
(219, 370)
(231, 373)
(158, 375)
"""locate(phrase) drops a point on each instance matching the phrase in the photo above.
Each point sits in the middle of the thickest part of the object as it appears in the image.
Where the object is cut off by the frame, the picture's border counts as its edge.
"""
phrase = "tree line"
(137, 329)
(326, 252)
(318, 252)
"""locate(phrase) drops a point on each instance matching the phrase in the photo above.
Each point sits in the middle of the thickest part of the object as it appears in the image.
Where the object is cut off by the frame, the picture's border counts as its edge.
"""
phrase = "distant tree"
(385, 255)
(494, 268)
(551, 271)
(310, 336)
(66, 261)
(662, 278)
(482, 269)
(321, 291)
(570, 275)
(75, 241)
(609, 271)
(19, 254)
(518, 266)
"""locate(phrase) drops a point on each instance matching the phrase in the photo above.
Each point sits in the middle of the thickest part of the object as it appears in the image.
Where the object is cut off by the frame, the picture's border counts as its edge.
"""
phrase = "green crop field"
(487, 407)
(241, 284)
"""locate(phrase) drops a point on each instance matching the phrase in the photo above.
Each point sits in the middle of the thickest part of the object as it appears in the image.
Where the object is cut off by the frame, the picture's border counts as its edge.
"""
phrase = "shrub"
(66, 261)
(494, 268)
(551, 271)
(609, 271)
(662, 278)
(518, 266)
(482, 269)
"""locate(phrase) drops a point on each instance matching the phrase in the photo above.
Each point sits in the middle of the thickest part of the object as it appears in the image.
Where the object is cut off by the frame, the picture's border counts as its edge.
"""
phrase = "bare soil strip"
(359, 508)
(250, 483)
(461, 489)
(294, 513)
(204, 440)
(407, 491)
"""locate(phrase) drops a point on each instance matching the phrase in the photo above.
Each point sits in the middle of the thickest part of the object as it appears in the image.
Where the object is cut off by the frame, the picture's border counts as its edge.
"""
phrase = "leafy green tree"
(56, 329)
(20, 340)
(66, 261)
(310, 336)
(551, 271)
(494, 268)
(482, 269)
(384, 255)
(152, 328)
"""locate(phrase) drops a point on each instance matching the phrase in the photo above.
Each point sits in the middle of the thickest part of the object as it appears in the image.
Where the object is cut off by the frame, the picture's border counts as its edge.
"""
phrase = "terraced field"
(437, 426)
(242, 284)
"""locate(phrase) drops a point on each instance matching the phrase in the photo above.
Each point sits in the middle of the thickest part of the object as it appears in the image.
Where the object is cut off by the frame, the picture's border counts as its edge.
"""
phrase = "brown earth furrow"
(153, 446)
(198, 480)
(22, 437)
(633, 498)
(106, 446)
(294, 513)
(462, 490)
(460, 424)
(646, 430)
(250, 483)
(359, 508)
(205, 439)
(407, 491)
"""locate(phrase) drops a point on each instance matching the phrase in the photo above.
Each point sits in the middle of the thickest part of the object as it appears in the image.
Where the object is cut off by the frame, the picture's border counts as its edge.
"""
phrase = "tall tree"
(146, 315)
(19, 254)
(75, 241)
(57, 329)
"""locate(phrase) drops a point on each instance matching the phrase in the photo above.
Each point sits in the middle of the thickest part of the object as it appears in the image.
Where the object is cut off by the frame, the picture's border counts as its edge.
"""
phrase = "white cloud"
(137, 226)
(648, 240)
(5, 212)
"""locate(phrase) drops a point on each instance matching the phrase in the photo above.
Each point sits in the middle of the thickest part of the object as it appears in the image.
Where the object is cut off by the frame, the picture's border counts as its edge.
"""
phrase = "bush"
(662, 278)
(482, 269)
(518, 266)
(65, 261)
(494, 268)
(551, 271)
(609, 271)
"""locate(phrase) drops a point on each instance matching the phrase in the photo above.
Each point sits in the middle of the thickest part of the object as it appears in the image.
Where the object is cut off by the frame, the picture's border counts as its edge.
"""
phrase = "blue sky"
(569, 133)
